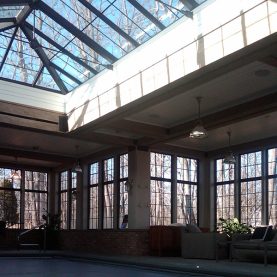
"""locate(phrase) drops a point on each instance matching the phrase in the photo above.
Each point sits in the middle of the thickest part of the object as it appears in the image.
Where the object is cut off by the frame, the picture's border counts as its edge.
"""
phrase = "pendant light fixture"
(229, 158)
(77, 168)
(199, 131)
(15, 175)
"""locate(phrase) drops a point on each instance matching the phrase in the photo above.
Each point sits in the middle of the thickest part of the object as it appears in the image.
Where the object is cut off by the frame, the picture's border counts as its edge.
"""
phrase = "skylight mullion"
(64, 72)
(147, 14)
(109, 22)
(38, 75)
(91, 25)
(126, 14)
(76, 32)
(74, 68)
(62, 50)
(45, 60)
(107, 41)
(8, 49)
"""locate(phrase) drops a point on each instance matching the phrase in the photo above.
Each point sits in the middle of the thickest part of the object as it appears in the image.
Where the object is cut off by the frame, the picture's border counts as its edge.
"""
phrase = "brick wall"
(114, 242)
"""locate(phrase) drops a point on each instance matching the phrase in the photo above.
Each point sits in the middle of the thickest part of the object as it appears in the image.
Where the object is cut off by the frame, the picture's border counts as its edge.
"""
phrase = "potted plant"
(51, 227)
(232, 227)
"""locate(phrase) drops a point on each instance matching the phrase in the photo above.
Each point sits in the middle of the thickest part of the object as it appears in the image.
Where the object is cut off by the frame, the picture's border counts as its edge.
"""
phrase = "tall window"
(35, 198)
(272, 186)
(225, 190)
(10, 195)
(73, 195)
(108, 193)
(186, 190)
(251, 188)
(123, 194)
(160, 187)
(64, 199)
(93, 220)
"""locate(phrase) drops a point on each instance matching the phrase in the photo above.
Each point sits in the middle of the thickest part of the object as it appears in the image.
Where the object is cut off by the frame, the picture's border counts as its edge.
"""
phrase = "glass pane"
(108, 170)
(94, 175)
(22, 63)
(93, 208)
(160, 165)
(108, 206)
(35, 207)
(272, 161)
(160, 203)
(46, 80)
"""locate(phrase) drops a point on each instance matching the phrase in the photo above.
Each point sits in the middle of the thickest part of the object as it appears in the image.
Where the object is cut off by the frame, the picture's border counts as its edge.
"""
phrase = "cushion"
(262, 233)
(192, 228)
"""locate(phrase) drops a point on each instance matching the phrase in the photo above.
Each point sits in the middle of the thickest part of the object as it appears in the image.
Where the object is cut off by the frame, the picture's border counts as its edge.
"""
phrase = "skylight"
(59, 44)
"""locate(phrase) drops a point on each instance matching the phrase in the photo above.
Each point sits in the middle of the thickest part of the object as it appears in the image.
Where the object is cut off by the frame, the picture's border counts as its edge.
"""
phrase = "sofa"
(200, 245)
(255, 249)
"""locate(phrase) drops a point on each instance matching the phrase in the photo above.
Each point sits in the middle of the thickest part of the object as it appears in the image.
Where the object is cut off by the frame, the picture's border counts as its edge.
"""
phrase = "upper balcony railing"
(120, 87)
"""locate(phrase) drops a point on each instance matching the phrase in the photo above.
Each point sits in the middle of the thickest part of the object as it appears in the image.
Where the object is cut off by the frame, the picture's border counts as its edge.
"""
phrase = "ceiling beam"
(109, 22)
(139, 128)
(23, 14)
(55, 16)
(8, 49)
(35, 155)
(61, 49)
(16, 2)
(251, 109)
(8, 20)
(107, 139)
(6, 25)
(38, 49)
(147, 14)
(38, 74)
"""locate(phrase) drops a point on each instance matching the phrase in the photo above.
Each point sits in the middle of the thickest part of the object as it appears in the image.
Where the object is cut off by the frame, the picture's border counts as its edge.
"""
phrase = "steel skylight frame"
(56, 71)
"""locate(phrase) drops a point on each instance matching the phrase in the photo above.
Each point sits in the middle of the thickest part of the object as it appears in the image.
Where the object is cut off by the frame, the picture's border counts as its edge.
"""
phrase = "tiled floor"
(168, 265)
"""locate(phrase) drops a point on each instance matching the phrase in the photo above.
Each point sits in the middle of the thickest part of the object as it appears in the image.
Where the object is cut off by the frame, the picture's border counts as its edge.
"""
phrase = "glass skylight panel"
(22, 62)
(91, 25)
(72, 67)
(87, 55)
(70, 84)
(51, 28)
(166, 14)
(127, 25)
(10, 11)
(5, 38)
(45, 80)
(137, 17)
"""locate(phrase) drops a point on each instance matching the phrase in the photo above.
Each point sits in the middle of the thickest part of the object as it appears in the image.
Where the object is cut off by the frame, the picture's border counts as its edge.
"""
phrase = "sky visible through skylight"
(62, 59)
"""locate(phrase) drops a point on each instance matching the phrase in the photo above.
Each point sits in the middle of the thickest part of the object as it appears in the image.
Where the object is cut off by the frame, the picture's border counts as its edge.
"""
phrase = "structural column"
(205, 194)
(139, 193)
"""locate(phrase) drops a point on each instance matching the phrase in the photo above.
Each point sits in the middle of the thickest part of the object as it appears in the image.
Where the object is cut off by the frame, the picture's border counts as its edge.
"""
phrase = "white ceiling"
(236, 87)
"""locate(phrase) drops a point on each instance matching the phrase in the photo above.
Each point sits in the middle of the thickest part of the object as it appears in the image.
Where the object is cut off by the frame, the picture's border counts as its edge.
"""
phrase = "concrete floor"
(60, 263)
(43, 266)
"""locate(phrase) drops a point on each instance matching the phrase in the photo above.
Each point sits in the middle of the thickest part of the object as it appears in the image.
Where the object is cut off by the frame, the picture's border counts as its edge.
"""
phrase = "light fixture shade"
(16, 175)
(199, 132)
(78, 168)
(229, 159)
